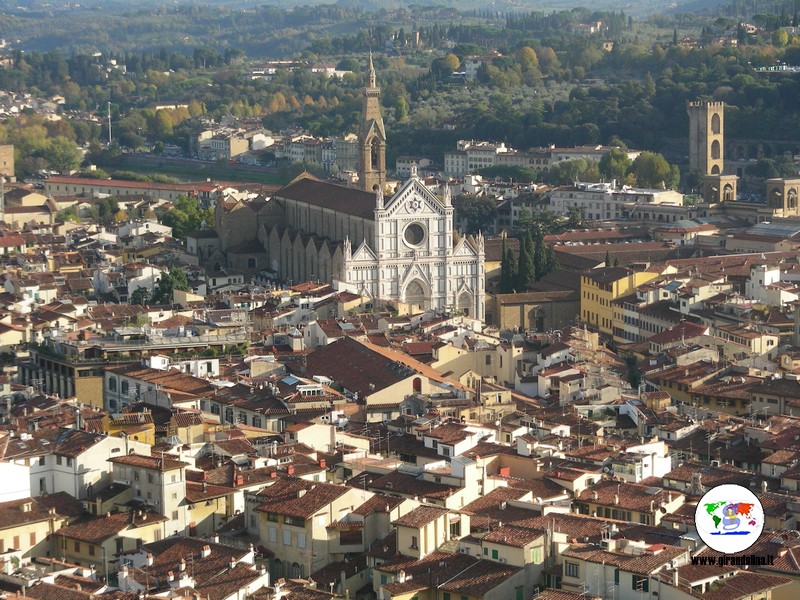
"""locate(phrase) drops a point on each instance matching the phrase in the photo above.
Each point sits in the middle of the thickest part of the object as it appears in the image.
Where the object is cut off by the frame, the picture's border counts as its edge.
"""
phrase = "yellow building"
(600, 287)
(26, 524)
(135, 426)
(99, 540)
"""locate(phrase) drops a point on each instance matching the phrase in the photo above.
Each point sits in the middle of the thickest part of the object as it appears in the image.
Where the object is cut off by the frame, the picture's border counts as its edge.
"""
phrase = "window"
(383, 579)
(301, 540)
(33, 538)
(41, 461)
(494, 554)
(136, 475)
(616, 576)
(76, 546)
(257, 422)
(149, 478)
(273, 534)
(519, 593)
(271, 516)
(640, 584)
(91, 549)
(445, 596)
(485, 551)
(571, 569)
(295, 521)
(287, 538)
(174, 515)
(124, 387)
(112, 384)
(59, 460)
(414, 543)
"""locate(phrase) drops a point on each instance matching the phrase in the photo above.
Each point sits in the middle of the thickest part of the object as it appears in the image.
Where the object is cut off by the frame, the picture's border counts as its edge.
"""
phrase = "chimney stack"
(182, 566)
(206, 551)
(149, 559)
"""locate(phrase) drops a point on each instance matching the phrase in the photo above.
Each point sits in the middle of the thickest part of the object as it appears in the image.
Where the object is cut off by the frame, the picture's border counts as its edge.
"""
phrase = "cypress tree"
(526, 269)
(550, 260)
(608, 259)
(539, 258)
(511, 273)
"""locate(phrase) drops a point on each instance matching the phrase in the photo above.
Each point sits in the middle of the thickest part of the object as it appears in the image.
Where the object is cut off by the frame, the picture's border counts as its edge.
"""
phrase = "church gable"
(364, 254)
(414, 199)
(463, 248)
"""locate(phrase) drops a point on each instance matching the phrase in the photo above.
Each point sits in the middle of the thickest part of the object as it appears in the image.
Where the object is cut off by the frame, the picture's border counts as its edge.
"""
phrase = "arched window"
(297, 571)
(417, 383)
(375, 150)
(716, 124)
(791, 198)
(715, 150)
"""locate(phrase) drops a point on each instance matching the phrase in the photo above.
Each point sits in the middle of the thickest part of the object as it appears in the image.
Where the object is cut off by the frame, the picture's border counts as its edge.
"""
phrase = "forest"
(547, 81)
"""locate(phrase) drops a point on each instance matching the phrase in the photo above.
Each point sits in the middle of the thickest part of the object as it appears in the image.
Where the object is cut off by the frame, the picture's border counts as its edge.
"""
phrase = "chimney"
(182, 566)
(149, 559)
(669, 497)
(616, 498)
(322, 463)
(170, 576)
(675, 577)
(231, 563)
(215, 539)
(764, 487)
(290, 470)
(239, 479)
(594, 495)
(202, 475)
(401, 576)
(206, 551)
(273, 474)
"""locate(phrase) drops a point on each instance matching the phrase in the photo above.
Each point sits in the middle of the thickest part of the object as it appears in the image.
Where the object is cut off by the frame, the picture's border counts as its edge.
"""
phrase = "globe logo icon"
(729, 518)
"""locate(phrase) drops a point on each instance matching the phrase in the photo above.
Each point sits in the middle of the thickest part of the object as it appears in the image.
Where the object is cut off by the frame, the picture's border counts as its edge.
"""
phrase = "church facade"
(401, 249)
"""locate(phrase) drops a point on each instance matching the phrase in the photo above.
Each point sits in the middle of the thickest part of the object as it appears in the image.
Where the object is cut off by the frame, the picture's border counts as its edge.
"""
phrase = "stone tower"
(372, 137)
(706, 133)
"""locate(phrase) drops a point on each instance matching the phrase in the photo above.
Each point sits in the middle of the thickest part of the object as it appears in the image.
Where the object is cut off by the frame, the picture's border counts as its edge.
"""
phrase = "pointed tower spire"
(373, 80)
(448, 198)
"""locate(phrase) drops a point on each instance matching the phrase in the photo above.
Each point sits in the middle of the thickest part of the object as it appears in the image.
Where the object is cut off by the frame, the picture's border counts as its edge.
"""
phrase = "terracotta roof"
(339, 199)
(95, 530)
(149, 462)
(298, 498)
(420, 516)
(641, 563)
(16, 513)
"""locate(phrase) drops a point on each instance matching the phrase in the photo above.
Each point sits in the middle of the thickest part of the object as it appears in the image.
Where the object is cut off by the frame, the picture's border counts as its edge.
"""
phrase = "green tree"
(508, 270)
(653, 171)
(478, 212)
(62, 155)
(539, 257)
(186, 216)
(140, 296)
(174, 279)
(614, 164)
(526, 269)
(550, 259)
(780, 38)
(527, 59)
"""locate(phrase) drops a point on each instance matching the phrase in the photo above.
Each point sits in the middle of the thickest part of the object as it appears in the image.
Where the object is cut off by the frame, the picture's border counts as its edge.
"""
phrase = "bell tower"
(706, 136)
(371, 137)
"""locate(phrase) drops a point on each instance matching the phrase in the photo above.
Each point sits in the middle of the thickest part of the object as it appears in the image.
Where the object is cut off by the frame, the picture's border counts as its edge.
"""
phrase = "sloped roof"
(350, 201)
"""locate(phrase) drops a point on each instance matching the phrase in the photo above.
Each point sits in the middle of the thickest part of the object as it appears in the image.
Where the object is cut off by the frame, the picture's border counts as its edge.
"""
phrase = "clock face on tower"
(414, 205)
